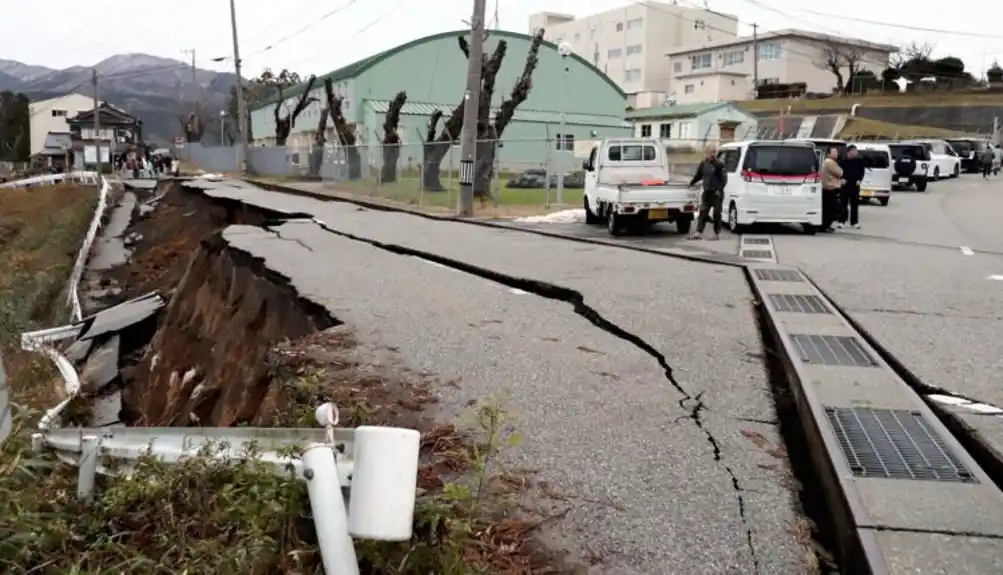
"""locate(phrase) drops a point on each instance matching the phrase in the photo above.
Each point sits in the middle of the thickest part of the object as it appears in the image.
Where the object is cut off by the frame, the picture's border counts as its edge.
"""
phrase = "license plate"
(866, 193)
(658, 214)
(784, 190)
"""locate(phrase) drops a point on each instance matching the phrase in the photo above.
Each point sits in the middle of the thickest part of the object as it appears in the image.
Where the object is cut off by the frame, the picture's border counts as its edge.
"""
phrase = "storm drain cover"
(757, 254)
(778, 275)
(757, 241)
(895, 444)
(832, 350)
(798, 303)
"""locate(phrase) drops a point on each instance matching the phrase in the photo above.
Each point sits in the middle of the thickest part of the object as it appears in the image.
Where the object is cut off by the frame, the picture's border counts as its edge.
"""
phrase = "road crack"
(688, 402)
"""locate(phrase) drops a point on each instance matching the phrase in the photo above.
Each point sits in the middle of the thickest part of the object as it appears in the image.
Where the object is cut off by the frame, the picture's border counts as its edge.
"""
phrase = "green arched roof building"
(432, 71)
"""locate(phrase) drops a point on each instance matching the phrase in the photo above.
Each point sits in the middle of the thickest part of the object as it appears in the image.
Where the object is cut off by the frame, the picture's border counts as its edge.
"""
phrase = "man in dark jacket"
(854, 168)
(711, 173)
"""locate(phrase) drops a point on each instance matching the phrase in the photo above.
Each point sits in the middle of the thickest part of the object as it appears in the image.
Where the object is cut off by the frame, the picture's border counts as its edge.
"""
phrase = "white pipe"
(329, 514)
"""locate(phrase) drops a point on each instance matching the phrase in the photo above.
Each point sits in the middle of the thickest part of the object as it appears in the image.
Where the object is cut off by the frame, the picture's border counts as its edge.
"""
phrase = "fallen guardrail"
(377, 466)
(87, 178)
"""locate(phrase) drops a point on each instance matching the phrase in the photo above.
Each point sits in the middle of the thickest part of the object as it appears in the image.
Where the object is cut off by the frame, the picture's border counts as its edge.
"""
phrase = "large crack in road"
(691, 403)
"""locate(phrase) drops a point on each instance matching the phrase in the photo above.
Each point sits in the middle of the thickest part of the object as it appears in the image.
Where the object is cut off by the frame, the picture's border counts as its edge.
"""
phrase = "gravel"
(602, 422)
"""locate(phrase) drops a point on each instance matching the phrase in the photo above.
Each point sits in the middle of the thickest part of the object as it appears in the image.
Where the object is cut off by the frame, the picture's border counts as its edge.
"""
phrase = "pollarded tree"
(345, 131)
(392, 139)
(437, 144)
(284, 124)
(317, 152)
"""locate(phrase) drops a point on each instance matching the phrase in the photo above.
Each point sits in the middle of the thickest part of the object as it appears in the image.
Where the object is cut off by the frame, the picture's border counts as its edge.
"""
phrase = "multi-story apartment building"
(629, 44)
(723, 70)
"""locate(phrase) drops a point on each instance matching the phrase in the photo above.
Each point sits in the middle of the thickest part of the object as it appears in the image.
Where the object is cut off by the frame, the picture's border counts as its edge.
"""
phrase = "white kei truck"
(627, 187)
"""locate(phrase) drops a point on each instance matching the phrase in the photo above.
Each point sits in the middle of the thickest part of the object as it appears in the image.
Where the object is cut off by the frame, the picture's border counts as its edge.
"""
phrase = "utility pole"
(97, 121)
(242, 120)
(755, 60)
(194, 90)
(471, 102)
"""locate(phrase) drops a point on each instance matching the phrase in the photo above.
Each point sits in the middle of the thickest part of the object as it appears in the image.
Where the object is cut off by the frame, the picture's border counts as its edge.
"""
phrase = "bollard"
(329, 514)
(90, 450)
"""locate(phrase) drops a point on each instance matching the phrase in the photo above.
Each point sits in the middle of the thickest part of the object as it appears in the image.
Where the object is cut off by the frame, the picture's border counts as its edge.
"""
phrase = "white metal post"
(330, 516)
(90, 449)
(564, 50)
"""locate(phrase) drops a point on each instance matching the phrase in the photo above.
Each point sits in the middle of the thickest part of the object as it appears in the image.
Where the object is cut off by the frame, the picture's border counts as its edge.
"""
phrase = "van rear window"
(631, 153)
(875, 158)
(781, 160)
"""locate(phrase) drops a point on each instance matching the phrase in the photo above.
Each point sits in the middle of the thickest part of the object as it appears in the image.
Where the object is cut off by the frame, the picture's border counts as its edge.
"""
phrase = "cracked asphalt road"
(634, 378)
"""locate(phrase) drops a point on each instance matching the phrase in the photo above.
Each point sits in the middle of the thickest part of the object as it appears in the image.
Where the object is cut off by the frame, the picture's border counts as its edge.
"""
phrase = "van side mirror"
(586, 166)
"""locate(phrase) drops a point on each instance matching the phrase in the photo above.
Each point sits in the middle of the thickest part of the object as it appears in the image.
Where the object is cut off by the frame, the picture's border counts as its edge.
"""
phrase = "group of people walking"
(841, 189)
(991, 158)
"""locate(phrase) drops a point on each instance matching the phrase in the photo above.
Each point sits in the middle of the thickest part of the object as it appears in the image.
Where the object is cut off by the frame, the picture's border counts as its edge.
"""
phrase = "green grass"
(408, 190)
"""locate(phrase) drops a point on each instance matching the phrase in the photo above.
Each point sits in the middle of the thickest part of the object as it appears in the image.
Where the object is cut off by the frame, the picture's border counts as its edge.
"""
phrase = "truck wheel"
(590, 217)
(614, 223)
(683, 224)
(921, 185)
(884, 201)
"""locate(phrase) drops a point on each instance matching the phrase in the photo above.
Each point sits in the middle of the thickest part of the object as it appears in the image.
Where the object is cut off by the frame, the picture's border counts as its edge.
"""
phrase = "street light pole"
(222, 132)
(242, 119)
(471, 103)
(564, 50)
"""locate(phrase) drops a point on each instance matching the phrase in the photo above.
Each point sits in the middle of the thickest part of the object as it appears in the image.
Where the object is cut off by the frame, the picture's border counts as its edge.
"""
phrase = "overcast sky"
(33, 32)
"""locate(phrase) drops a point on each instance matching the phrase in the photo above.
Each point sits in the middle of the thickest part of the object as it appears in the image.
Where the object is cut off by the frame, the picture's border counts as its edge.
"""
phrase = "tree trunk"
(354, 160)
(431, 163)
(484, 167)
(316, 160)
(391, 155)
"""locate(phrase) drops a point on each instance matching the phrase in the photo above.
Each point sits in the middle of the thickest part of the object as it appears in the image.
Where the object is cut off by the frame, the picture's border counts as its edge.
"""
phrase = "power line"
(292, 35)
(902, 26)
(112, 76)
(357, 33)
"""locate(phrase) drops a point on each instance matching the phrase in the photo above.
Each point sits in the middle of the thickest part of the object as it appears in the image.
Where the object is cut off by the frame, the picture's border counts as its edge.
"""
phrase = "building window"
(677, 67)
(631, 74)
(645, 130)
(619, 26)
(733, 57)
(768, 81)
(700, 61)
(684, 130)
(635, 49)
(689, 88)
(59, 113)
(565, 142)
(665, 131)
(634, 23)
(769, 51)
(614, 53)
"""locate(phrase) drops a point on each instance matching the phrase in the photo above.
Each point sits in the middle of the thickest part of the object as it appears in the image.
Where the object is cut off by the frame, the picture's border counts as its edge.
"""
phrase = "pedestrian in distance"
(997, 158)
(711, 173)
(854, 167)
(832, 182)
(987, 162)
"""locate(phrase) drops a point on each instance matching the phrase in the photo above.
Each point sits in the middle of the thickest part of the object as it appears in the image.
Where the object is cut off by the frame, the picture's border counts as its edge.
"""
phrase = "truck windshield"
(631, 153)
(781, 160)
(875, 158)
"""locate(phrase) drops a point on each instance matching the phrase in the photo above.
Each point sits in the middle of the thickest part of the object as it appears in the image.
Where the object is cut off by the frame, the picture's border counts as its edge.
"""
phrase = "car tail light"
(747, 175)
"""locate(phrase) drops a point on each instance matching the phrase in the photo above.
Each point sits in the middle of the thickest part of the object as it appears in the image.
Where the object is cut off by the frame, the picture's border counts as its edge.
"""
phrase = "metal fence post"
(329, 514)
(90, 449)
(6, 413)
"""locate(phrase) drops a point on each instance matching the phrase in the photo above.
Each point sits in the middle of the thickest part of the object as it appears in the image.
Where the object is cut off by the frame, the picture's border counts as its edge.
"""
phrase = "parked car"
(944, 161)
(970, 151)
(911, 164)
(529, 179)
(572, 180)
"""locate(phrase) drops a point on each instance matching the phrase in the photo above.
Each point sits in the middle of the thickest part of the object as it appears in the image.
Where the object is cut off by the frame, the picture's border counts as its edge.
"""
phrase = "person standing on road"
(854, 167)
(832, 181)
(711, 173)
(986, 158)
(997, 158)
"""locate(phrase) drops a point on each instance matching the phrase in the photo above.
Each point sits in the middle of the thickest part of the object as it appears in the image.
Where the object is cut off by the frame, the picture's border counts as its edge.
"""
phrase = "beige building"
(51, 115)
(724, 70)
(629, 44)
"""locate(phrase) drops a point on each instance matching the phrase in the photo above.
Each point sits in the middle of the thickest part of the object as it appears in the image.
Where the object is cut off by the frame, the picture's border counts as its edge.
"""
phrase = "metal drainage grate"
(778, 275)
(757, 254)
(894, 444)
(798, 303)
(757, 241)
(832, 350)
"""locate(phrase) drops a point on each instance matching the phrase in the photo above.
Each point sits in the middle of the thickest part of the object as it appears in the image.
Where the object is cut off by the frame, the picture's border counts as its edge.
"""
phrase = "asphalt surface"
(649, 463)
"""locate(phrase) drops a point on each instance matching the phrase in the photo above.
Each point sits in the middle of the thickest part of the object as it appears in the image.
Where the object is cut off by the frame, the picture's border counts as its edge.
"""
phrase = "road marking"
(998, 277)
(967, 251)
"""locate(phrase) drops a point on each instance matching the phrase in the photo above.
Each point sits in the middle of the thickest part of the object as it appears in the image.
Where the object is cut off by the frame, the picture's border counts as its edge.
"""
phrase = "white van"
(772, 182)
(877, 182)
(627, 187)
(944, 161)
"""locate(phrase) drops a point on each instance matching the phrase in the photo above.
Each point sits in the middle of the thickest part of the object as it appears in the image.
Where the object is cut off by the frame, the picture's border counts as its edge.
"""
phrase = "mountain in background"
(156, 90)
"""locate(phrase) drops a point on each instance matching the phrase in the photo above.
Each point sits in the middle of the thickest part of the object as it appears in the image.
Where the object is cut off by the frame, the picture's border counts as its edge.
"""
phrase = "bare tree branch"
(284, 125)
